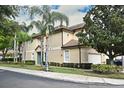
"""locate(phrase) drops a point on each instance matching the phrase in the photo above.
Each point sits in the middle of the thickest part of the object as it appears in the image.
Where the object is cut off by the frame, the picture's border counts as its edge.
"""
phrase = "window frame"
(65, 54)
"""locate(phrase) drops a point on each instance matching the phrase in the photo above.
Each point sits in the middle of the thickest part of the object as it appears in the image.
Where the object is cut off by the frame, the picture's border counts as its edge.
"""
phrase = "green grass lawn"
(66, 70)
(85, 72)
(31, 67)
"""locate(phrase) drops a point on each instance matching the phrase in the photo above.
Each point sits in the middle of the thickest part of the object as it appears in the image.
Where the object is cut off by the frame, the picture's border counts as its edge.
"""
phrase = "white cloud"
(75, 17)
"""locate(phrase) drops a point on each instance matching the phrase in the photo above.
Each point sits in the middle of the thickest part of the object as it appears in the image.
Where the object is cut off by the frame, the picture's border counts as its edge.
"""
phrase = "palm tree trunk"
(23, 52)
(42, 51)
(46, 63)
(19, 49)
(16, 52)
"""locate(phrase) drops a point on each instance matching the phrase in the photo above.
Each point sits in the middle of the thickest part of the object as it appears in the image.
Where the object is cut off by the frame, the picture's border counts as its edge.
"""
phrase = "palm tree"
(41, 26)
(17, 28)
(22, 37)
(49, 18)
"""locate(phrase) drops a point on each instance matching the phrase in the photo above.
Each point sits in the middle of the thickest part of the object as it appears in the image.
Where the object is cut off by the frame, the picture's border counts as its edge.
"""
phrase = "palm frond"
(57, 16)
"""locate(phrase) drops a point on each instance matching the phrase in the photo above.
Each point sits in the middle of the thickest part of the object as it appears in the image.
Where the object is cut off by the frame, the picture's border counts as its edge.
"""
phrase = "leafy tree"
(104, 27)
(6, 36)
(6, 44)
(46, 26)
(7, 12)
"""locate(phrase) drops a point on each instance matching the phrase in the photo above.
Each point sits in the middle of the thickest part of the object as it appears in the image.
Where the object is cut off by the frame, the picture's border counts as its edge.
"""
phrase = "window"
(66, 56)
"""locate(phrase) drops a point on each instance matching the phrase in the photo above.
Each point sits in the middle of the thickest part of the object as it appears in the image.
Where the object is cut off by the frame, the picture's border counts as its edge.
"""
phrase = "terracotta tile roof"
(36, 35)
(57, 28)
(60, 27)
(71, 43)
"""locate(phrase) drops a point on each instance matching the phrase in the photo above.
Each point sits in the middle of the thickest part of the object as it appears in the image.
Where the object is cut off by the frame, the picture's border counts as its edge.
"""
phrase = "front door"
(39, 58)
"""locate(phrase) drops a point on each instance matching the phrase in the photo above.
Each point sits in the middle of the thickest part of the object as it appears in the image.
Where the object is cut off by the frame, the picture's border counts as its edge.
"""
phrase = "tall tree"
(6, 35)
(22, 37)
(49, 18)
(5, 44)
(41, 26)
(7, 12)
(104, 27)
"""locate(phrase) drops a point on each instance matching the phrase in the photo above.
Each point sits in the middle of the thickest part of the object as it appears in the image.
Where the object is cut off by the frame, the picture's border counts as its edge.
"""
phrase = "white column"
(123, 61)
(15, 48)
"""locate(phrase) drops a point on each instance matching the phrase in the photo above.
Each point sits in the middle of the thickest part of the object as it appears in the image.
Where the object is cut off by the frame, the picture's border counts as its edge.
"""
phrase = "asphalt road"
(10, 79)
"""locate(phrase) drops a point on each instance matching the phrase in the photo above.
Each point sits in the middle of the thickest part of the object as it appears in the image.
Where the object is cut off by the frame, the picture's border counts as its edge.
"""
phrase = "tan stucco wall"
(55, 40)
(55, 56)
(85, 52)
(74, 56)
(84, 55)
(54, 48)
(68, 36)
(28, 55)
(30, 48)
(32, 45)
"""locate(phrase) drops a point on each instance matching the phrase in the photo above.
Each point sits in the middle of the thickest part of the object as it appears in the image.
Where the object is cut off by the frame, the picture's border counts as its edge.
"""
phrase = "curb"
(85, 80)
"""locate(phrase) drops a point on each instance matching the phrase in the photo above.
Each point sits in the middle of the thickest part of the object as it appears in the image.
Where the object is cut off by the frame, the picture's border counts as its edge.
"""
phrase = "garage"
(94, 58)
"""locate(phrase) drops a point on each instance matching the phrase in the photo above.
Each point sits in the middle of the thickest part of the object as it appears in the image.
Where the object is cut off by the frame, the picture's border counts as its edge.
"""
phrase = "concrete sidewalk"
(66, 77)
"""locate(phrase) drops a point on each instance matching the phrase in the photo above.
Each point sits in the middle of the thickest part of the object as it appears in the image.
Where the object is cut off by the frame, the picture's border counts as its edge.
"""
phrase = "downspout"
(62, 36)
(79, 57)
(62, 44)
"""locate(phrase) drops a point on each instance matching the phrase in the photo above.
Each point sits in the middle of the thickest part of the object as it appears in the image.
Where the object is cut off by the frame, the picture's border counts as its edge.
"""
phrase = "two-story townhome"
(63, 47)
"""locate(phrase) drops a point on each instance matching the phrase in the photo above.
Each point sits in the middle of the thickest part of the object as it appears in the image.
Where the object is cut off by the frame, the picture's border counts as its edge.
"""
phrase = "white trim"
(65, 61)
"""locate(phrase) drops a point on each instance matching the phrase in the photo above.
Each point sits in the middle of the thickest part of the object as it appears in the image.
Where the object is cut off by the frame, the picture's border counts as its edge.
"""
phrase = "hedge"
(7, 59)
(106, 69)
(72, 65)
(30, 62)
(10, 61)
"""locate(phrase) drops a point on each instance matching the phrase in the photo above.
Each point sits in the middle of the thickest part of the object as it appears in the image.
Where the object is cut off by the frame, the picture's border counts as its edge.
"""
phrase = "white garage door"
(94, 58)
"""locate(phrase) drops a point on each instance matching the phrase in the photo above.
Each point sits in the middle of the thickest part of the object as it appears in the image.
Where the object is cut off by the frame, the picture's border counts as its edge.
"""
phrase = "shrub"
(103, 68)
(30, 62)
(86, 65)
(72, 65)
(54, 64)
(10, 61)
(7, 59)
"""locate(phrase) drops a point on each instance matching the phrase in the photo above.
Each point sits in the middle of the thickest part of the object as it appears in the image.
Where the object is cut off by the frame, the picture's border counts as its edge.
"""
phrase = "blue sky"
(74, 12)
(83, 9)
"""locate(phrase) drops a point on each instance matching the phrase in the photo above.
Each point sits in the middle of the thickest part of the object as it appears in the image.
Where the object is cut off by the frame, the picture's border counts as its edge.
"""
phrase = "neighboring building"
(63, 47)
